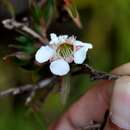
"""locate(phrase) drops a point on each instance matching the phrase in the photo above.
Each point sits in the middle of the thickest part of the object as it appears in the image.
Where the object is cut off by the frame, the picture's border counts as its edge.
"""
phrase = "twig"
(29, 87)
(13, 24)
(30, 97)
(95, 74)
(85, 68)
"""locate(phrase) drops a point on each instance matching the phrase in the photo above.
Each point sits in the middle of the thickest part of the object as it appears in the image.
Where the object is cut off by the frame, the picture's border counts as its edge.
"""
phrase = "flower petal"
(80, 55)
(80, 51)
(59, 67)
(62, 38)
(54, 39)
(53, 36)
(44, 54)
(79, 43)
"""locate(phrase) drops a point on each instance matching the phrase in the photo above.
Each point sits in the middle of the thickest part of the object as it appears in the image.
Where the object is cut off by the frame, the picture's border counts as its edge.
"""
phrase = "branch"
(30, 97)
(30, 87)
(85, 68)
(95, 74)
(13, 24)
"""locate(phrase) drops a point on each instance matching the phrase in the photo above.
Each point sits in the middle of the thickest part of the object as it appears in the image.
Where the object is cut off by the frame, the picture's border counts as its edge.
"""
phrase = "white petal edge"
(54, 39)
(44, 54)
(80, 55)
(53, 36)
(79, 43)
(62, 38)
(59, 67)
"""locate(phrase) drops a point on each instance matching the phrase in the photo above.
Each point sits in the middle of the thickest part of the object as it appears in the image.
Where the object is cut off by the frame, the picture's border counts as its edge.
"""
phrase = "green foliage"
(37, 118)
(26, 44)
(49, 10)
(37, 13)
(71, 8)
(42, 14)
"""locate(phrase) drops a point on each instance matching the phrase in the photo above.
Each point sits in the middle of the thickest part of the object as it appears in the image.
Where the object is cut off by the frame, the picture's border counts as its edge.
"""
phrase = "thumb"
(120, 105)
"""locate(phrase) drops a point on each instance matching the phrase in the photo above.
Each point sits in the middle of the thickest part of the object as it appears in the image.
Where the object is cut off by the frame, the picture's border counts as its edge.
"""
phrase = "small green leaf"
(18, 55)
(48, 11)
(27, 44)
(24, 40)
(37, 13)
(22, 56)
(21, 59)
(73, 13)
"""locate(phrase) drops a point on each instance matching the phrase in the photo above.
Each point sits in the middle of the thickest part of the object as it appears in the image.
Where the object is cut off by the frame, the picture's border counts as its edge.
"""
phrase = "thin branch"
(30, 97)
(95, 74)
(29, 87)
(85, 68)
(13, 24)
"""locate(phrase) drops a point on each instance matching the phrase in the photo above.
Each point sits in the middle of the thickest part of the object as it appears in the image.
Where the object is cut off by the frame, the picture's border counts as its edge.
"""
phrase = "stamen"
(65, 50)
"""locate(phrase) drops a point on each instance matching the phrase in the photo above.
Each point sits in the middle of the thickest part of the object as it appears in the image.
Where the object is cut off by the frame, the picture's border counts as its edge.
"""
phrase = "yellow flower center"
(65, 50)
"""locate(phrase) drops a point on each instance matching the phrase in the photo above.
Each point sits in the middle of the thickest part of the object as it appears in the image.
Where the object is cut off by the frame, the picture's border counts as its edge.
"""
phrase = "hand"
(104, 95)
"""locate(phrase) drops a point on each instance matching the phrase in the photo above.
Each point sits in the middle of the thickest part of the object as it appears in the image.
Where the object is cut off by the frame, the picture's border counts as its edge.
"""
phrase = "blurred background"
(106, 24)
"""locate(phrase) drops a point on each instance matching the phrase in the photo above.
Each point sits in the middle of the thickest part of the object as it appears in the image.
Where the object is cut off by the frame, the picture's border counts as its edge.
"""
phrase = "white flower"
(61, 51)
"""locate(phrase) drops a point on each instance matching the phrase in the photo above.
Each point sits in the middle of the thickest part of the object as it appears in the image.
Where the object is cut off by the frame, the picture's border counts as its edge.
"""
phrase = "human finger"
(120, 104)
(91, 106)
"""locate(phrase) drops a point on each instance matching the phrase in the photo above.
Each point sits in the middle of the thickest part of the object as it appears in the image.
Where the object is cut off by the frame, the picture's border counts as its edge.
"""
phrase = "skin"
(91, 106)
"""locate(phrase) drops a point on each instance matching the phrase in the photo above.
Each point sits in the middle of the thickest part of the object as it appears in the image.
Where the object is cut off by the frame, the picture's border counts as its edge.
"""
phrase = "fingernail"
(120, 103)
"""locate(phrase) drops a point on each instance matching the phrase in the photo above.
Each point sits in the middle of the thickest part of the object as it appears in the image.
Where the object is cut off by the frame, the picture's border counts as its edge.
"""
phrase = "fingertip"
(120, 103)
(123, 69)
